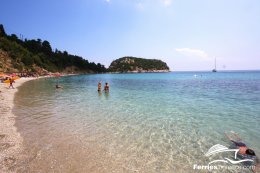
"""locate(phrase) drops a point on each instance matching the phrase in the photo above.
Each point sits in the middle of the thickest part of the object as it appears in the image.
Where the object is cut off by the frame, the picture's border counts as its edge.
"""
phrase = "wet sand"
(10, 138)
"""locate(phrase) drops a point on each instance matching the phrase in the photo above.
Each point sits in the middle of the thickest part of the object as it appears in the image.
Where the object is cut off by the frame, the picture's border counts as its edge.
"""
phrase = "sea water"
(148, 122)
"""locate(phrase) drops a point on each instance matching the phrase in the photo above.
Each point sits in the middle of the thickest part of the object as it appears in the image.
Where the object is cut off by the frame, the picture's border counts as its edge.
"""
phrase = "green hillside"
(18, 55)
(133, 64)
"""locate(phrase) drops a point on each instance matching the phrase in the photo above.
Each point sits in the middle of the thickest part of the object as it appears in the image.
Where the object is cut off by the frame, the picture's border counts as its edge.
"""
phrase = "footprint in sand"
(8, 161)
(6, 109)
(4, 146)
(2, 136)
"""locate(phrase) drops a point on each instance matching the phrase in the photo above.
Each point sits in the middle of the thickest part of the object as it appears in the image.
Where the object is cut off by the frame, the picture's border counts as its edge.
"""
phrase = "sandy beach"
(10, 139)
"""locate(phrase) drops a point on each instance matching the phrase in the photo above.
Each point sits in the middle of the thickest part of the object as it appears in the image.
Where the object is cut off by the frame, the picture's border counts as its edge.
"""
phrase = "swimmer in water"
(244, 151)
(99, 86)
(58, 86)
(106, 88)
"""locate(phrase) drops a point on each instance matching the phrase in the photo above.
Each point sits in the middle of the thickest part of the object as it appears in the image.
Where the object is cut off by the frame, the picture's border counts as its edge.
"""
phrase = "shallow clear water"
(152, 122)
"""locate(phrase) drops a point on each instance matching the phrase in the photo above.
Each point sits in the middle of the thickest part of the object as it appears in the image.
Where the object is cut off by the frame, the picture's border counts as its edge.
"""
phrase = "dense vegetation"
(30, 55)
(133, 64)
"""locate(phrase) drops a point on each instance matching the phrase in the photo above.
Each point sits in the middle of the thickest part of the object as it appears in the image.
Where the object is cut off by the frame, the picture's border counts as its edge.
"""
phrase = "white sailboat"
(215, 69)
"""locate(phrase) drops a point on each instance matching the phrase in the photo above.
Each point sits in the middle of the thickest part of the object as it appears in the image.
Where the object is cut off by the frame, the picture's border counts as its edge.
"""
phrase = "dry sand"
(10, 139)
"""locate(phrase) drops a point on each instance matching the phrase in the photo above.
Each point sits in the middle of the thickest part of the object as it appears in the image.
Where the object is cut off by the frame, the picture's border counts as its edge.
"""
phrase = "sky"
(187, 34)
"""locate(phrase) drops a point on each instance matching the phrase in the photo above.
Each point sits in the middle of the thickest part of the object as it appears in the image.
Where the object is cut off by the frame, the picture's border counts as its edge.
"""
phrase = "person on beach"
(99, 86)
(11, 83)
(106, 88)
(244, 151)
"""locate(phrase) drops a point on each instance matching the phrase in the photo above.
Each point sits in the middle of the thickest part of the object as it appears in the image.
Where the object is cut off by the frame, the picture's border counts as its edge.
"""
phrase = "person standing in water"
(99, 87)
(106, 88)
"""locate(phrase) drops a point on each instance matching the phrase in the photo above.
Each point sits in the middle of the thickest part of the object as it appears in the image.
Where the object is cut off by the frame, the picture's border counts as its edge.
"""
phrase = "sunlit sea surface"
(152, 122)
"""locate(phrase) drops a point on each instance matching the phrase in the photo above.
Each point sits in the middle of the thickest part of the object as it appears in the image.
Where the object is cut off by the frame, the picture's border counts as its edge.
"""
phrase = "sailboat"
(215, 69)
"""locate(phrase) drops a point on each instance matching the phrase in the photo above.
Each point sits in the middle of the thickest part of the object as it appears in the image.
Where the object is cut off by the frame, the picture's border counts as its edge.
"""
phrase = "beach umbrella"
(4, 76)
(15, 77)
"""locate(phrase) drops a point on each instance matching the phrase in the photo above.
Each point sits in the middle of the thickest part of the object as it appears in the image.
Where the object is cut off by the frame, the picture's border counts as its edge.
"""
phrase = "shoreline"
(134, 72)
(10, 139)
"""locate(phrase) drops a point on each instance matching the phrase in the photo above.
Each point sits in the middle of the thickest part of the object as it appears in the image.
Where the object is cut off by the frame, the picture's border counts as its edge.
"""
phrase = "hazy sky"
(187, 34)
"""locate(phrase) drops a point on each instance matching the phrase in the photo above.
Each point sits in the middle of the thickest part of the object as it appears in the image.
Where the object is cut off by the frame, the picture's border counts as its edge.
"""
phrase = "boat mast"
(215, 64)
(215, 69)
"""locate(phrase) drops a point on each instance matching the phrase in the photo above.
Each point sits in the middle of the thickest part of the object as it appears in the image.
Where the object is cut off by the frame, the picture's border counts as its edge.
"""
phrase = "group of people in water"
(106, 87)
(243, 150)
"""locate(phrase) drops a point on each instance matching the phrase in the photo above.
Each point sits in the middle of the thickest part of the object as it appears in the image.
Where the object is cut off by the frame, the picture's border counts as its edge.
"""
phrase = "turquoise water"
(151, 122)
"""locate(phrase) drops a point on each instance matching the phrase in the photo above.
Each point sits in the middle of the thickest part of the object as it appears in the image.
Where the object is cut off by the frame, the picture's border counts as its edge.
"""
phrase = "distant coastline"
(38, 57)
(144, 71)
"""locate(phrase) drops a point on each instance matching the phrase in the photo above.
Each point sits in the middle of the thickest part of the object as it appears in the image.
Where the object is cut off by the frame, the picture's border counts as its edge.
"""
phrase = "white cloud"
(140, 6)
(192, 52)
(167, 2)
(148, 4)
(107, 0)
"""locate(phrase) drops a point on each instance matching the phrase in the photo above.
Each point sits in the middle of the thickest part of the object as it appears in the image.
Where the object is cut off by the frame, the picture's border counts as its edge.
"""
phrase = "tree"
(2, 31)
(13, 37)
(65, 53)
(30, 54)
(46, 47)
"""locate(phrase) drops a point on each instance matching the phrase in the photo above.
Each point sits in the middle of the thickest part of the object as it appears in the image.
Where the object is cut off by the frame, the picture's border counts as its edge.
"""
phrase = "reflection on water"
(106, 94)
(100, 94)
(146, 123)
